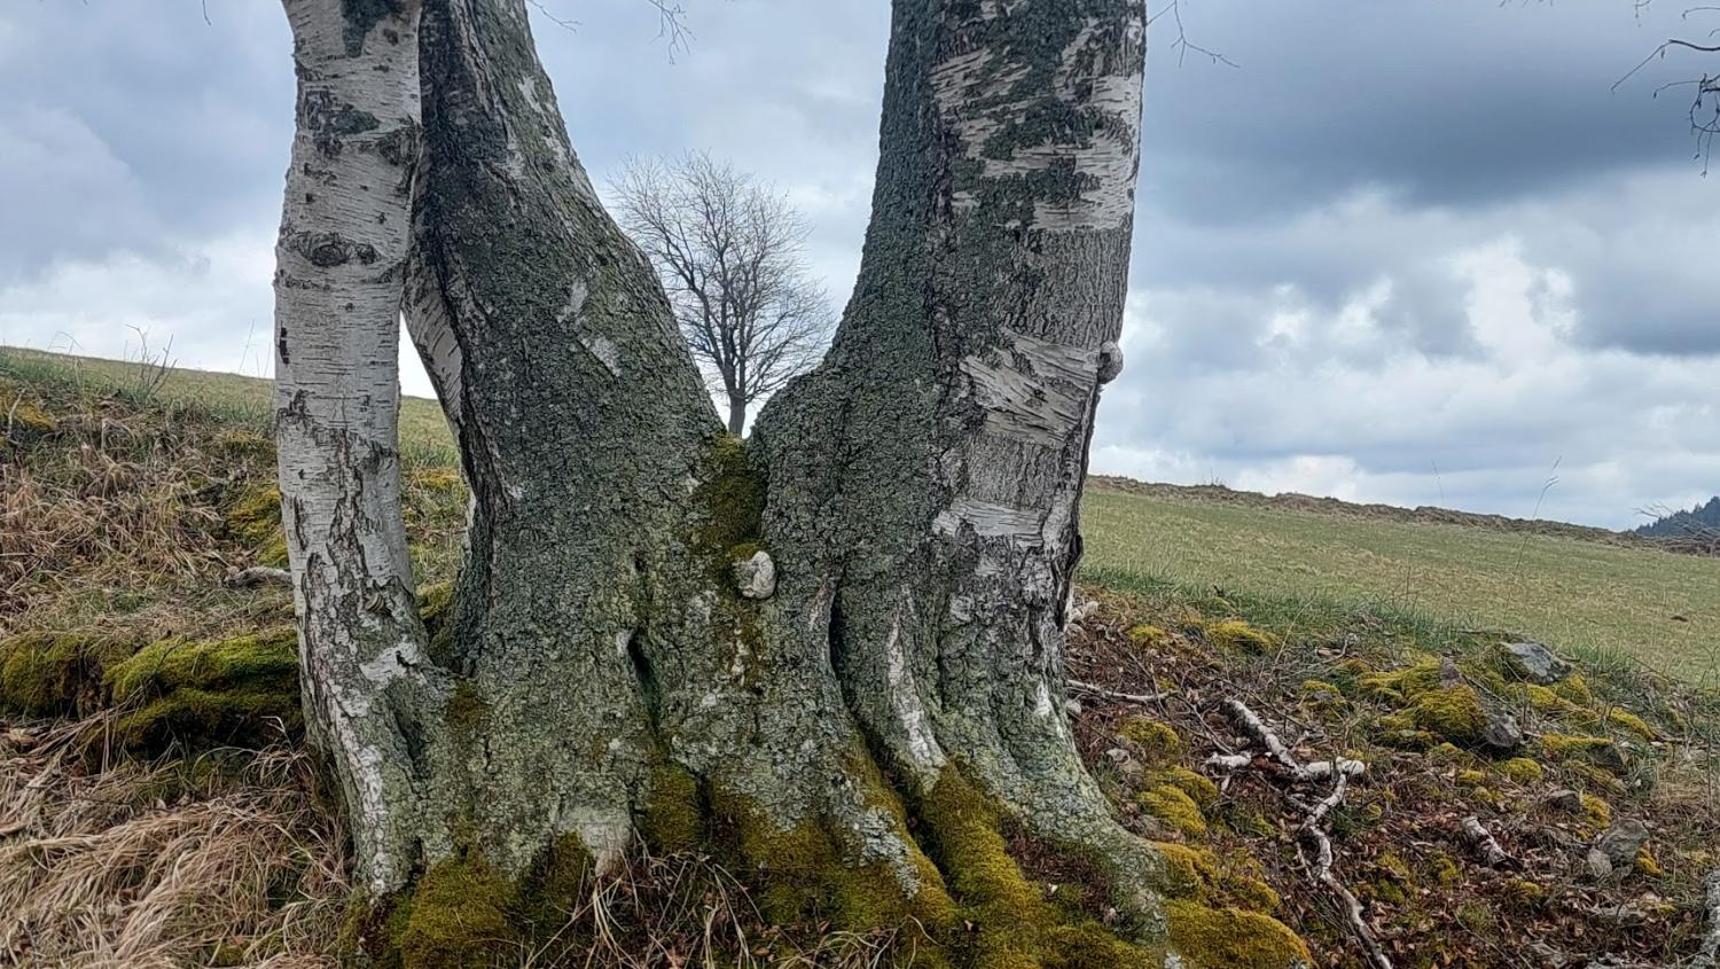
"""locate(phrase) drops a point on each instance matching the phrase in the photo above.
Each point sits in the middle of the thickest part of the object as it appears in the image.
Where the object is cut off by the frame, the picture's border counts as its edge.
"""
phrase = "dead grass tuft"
(225, 860)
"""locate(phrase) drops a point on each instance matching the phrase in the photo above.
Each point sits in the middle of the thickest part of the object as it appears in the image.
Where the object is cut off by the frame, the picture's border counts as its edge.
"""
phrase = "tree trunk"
(737, 414)
(617, 665)
(925, 481)
(345, 234)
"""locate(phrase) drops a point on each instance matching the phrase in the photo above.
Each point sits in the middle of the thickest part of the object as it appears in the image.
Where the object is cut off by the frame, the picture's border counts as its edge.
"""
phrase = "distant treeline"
(1701, 521)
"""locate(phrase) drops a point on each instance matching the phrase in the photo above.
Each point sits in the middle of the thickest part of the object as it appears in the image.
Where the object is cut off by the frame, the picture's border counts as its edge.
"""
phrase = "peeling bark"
(345, 234)
(925, 480)
(916, 497)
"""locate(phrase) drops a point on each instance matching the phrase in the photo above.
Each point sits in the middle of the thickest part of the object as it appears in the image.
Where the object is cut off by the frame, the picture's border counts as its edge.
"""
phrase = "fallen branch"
(1483, 841)
(1145, 699)
(260, 575)
(1322, 869)
(1264, 735)
(1312, 830)
(1708, 957)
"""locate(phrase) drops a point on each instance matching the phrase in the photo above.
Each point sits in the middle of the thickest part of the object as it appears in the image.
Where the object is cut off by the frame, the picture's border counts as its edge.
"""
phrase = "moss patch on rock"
(1156, 743)
(56, 674)
(243, 690)
(1237, 636)
(1231, 938)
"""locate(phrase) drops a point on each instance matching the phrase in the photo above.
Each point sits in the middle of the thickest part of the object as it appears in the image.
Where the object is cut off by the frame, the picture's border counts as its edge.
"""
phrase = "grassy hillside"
(1598, 598)
(1592, 592)
(153, 770)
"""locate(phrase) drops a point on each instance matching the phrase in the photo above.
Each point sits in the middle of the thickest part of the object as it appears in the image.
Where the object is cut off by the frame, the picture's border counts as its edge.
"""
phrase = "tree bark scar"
(363, 15)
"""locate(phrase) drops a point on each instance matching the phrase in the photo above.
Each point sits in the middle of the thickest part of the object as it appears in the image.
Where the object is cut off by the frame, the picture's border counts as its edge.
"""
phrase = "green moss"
(672, 817)
(458, 918)
(1580, 747)
(1597, 810)
(1229, 938)
(1449, 753)
(1238, 636)
(1525, 891)
(466, 711)
(806, 873)
(55, 674)
(1452, 713)
(1522, 770)
(732, 496)
(1175, 808)
(1445, 869)
(1148, 635)
(1471, 778)
(24, 416)
(254, 520)
(1620, 717)
(1157, 743)
(1647, 864)
(1013, 924)
(1197, 874)
(1402, 684)
(1197, 786)
(242, 690)
(1575, 689)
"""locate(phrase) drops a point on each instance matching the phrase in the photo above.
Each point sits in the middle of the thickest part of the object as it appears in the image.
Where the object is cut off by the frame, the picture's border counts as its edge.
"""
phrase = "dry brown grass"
(221, 861)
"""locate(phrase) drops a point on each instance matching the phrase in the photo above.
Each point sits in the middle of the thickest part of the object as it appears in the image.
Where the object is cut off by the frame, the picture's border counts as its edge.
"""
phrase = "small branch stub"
(1110, 361)
(756, 576)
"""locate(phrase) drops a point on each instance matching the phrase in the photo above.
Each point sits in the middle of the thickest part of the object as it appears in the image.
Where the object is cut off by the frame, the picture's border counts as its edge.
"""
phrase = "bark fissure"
(918, 493)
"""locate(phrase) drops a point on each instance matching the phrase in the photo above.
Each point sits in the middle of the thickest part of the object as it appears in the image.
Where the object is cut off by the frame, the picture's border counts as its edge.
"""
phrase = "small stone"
(1566, 800)
(756, 576)
(1600, 866)
(1622, 842)
(1502, 732)
(1536, 663)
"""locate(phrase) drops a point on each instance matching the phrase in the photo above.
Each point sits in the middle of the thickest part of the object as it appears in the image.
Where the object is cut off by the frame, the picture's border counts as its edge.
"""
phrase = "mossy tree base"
(851, 745)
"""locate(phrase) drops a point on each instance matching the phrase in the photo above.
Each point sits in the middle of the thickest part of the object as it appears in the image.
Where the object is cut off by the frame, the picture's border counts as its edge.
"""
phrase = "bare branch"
(728, 251)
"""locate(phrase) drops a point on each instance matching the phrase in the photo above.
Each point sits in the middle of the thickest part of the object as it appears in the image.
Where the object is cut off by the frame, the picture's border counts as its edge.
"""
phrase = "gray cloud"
(1398, 237)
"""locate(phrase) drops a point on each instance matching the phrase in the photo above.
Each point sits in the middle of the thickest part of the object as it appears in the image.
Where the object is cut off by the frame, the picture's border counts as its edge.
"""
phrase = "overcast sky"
(1416, 252)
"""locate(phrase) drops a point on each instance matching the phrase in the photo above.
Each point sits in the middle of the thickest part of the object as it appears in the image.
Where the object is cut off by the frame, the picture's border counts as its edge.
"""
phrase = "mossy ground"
(1371, 685)
(140, 607)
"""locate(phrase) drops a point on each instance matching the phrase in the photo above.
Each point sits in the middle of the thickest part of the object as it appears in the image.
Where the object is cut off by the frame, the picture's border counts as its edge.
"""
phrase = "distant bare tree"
(729, 251)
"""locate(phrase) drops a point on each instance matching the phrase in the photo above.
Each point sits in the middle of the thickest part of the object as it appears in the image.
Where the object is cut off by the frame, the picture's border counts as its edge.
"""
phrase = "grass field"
(1598, 599)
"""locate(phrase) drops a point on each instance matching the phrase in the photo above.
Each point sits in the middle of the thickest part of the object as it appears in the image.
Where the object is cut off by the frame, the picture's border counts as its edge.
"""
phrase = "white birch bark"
(344, 240)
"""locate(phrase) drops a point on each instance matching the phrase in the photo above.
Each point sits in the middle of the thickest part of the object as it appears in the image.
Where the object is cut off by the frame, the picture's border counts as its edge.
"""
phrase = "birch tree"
(831, 656)
(729, 252)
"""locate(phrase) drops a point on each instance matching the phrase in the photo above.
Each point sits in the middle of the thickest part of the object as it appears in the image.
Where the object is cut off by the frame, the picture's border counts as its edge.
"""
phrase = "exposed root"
(1262, 734)
(1491, 851)
(1312, 832)
(260, 575)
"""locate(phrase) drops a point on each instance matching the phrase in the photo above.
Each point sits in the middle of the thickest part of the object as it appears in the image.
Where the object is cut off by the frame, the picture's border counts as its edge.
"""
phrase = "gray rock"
(1502, 732)
(1600, 866)
(1536, 663)
(1621, 842)
(1566, 800)
(756, 576)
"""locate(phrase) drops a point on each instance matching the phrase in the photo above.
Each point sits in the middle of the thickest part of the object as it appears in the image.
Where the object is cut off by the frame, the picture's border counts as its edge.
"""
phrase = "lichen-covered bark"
(600, 639)
(853, 743)
(925, 480)
(345, 234)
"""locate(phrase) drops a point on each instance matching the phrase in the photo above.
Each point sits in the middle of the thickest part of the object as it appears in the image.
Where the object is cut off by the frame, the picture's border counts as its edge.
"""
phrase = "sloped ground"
(157, 809)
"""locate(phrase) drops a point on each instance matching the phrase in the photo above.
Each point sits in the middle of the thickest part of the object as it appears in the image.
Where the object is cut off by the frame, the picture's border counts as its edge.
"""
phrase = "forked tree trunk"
(854, 739)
